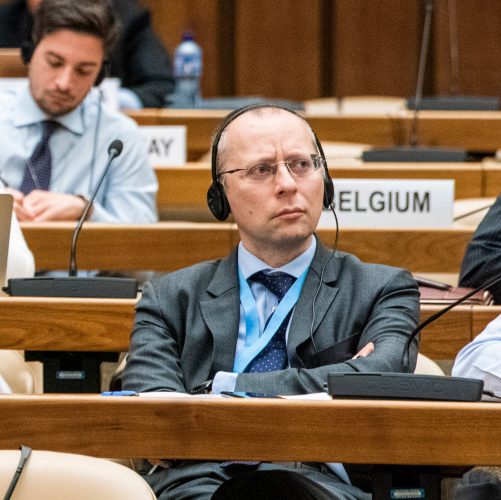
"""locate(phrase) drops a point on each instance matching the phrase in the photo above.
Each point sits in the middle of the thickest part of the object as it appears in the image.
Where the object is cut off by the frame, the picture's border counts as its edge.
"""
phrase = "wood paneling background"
(301, 49)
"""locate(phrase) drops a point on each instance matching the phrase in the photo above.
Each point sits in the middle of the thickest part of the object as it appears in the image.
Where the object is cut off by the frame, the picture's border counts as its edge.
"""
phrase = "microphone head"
(115, 148)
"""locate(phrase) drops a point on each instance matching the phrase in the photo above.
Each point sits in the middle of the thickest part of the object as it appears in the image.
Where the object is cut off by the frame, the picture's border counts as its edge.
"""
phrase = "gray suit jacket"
(187, 324)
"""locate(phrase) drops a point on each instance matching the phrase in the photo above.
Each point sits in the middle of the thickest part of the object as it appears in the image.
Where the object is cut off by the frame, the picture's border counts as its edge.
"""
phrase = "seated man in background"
(140, 61)
(482, 260)
(481, 358)
(55, 132)
(209, 325)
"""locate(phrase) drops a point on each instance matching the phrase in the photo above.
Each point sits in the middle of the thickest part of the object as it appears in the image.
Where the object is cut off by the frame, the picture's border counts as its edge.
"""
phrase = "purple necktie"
(39, 166)
(274, 356)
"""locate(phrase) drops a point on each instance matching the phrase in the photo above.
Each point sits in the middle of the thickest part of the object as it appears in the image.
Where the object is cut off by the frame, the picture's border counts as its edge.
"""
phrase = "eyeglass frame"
(318, 162)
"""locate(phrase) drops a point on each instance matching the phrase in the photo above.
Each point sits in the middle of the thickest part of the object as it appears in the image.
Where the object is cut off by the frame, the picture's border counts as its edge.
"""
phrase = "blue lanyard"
(254, 343)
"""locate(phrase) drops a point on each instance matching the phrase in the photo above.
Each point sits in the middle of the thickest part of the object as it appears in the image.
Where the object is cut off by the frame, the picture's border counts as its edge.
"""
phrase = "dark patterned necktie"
(38, 167)
(274, 355)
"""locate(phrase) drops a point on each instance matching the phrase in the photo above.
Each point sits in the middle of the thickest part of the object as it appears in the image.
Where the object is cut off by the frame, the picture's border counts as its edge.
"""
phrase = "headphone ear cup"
(218, 202)
(27, 49)
(328, 187)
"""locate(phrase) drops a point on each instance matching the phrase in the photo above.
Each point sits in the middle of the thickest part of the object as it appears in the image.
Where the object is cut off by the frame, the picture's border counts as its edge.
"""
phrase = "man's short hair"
(93, 17)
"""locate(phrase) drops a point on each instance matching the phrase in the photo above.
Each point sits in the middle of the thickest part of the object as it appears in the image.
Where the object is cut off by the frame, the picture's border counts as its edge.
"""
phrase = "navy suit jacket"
(482, 259)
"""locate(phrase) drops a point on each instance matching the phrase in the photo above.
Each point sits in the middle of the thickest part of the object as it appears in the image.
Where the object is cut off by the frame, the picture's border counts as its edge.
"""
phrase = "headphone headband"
(216, 197)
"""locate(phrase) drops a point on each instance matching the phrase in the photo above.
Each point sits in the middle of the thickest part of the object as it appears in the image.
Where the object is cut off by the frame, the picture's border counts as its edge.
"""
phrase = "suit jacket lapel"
(221, 313)
(303, 316)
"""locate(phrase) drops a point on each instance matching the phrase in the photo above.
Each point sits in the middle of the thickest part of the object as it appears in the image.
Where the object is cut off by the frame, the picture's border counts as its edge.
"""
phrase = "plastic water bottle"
(187, 70)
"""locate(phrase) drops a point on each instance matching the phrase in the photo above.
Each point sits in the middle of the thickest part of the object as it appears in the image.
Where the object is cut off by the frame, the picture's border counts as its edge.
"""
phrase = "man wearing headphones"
(55, 132)
(139, 59)
(280, 312)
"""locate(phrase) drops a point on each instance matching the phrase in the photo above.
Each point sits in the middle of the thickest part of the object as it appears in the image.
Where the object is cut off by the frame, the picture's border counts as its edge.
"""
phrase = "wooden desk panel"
(444, 338)
(219, 429)
(105, 325)
(11, 64)
(167, 246)
(185, 188)
(482, 315)
(164, 246)
(491, 179)
(425, 250)
(66, 324)
(472, 130)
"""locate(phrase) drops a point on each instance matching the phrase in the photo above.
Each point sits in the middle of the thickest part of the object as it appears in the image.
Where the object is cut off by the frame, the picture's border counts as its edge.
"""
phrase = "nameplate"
(391, 203)
(166, 145)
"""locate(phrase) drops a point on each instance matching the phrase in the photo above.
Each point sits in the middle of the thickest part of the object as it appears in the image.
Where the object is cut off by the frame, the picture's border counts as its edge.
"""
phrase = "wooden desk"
(104, 325)
(472, 130)
(167, 246)
(185, 188)
(391, 432)
(164, 246)
(11, 64)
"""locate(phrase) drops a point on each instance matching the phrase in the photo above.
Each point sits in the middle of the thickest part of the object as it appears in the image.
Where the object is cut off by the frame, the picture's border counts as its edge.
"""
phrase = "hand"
(367, 349)
(45, 206)
(22, 213)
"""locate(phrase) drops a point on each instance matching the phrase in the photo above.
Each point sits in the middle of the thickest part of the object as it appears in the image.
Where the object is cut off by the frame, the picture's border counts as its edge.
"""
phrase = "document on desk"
(176, 395)
(317, 396)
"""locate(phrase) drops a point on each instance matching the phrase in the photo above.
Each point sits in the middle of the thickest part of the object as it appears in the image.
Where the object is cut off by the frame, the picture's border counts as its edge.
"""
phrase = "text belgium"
(379, 201)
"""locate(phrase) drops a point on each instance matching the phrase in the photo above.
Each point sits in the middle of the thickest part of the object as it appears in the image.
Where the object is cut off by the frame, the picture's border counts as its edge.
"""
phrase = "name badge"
(166, 145)
(390, 203)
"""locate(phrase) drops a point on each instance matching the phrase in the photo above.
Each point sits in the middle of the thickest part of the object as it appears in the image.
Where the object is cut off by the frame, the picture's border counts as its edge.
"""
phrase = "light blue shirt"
(79, 149)
(481, 358)
(266, 301)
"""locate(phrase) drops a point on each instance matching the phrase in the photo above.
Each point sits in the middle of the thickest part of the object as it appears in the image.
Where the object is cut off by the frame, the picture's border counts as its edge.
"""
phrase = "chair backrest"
(59, 476)
(426, 366)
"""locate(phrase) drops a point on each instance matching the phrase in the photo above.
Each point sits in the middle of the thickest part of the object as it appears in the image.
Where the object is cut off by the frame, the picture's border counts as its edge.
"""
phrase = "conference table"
(351, 431)
(167, 246)
(478, 131)
(104, 325)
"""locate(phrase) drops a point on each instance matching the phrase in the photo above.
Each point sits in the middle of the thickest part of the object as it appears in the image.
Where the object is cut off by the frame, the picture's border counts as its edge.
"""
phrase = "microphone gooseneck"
(114, 150)
(425, 42)
(438, 314)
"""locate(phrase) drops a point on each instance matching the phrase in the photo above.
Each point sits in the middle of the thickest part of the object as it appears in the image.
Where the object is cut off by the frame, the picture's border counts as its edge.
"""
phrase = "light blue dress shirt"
(481, 358)
(79, 149)
(266, 303)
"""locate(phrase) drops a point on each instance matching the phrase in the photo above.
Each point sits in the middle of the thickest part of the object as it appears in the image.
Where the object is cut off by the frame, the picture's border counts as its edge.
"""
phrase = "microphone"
(114, 151)
(414, 153)
(408, 385)
(73, 285)
(454, 101)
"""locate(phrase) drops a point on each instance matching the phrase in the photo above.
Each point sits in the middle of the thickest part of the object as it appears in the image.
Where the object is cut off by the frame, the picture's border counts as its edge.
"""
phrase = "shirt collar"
(29, 113)
(249, 264)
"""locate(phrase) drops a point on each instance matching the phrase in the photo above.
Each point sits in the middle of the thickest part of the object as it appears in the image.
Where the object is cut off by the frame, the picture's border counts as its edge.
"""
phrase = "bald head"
(252, 121)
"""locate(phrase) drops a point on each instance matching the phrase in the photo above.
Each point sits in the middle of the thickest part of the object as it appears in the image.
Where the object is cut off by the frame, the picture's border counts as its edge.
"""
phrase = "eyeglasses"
(299, 167)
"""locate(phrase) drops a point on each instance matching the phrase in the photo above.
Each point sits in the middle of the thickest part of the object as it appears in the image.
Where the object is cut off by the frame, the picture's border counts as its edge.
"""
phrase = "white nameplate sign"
(166, 145)
(389, 203)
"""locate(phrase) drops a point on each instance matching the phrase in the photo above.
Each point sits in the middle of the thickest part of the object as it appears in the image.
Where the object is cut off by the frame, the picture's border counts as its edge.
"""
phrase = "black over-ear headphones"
(216, 197)
(28, 47)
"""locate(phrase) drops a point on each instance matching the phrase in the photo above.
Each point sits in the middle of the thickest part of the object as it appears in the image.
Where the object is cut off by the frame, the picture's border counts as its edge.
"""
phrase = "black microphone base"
(403, 386)
(73, 286)
(415, 154)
